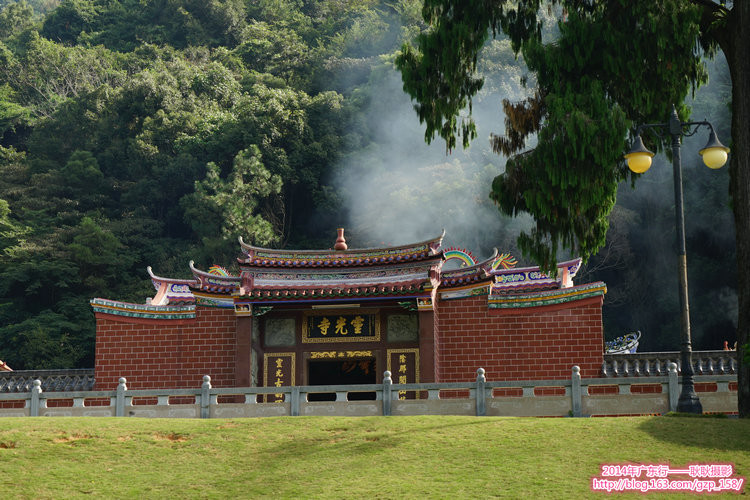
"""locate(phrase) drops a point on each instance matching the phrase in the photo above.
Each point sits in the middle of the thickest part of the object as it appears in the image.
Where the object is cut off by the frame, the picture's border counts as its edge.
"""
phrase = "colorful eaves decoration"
(402, 274)
(460, 254)
(504, 260)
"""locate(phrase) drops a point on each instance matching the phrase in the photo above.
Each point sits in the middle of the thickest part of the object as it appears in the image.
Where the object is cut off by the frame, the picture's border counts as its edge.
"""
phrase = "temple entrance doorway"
(344, 372)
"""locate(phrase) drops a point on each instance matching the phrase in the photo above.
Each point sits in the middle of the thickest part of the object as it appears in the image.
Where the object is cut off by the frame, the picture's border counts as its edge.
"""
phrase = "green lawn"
(337, 457)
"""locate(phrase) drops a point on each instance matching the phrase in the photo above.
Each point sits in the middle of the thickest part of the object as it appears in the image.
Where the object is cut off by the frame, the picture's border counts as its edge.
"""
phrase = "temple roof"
(406, 272)
(170, 290)
(419, 286)
(214, 281)
(477, 273)
(415, 252)
(413, 270)
(311, 275)
(517, 280)
(397, 279)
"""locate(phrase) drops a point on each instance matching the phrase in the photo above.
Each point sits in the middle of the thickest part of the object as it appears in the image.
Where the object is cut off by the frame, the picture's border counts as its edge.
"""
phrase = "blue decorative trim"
(143, 311)
(547, 297)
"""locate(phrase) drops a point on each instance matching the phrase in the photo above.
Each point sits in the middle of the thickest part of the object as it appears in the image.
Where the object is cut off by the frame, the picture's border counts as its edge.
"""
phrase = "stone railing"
(570, 397)
(650, 364)
(52, 380)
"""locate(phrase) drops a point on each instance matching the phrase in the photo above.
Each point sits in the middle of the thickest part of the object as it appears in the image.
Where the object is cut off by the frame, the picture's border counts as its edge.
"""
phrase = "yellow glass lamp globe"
(714, 157)
(639, 162)
(714, 153)
(639, 158)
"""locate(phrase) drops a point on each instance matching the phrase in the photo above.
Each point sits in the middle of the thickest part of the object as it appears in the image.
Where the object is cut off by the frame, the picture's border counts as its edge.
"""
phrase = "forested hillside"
(155, 132)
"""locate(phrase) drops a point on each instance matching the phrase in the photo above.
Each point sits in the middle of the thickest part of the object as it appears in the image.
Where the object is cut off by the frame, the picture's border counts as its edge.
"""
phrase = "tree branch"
(715, 8)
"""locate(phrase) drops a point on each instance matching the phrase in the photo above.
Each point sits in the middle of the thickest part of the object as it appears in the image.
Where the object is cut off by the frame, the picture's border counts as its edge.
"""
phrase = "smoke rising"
(401, 190)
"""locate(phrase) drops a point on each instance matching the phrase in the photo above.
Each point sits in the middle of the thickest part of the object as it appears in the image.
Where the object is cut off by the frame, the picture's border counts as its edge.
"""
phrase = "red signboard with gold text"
(278, 372)
(404, 367)
(341, 326)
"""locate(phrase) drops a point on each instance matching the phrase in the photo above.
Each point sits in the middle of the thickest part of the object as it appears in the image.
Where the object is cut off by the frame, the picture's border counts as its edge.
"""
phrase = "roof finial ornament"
(340, 241)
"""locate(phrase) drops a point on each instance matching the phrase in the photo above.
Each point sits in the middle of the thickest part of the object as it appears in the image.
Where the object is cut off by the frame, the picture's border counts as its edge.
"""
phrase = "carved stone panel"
(280, 332)
(402, 328)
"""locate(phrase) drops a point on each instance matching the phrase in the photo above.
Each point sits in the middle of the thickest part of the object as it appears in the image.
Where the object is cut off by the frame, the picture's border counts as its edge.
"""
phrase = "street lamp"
(639, 160)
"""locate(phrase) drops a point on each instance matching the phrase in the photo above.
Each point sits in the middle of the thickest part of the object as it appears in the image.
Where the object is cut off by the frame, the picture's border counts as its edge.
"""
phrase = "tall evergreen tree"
(614, 64)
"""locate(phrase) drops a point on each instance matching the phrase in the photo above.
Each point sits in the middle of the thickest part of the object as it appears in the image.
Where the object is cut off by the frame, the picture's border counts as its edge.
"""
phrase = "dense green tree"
(242, 204)
(66, 23)
(277, 50)
(15, 18)
(12, 116)
(40, 7)
(99, 256)
(44, 74)
(11, 231)
(612, 65)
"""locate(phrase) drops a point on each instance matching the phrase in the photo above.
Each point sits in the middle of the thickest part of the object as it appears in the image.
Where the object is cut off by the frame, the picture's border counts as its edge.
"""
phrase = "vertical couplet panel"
(278, 371)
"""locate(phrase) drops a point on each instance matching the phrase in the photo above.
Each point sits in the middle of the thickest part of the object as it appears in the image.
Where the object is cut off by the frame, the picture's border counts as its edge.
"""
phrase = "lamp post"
(639, 160)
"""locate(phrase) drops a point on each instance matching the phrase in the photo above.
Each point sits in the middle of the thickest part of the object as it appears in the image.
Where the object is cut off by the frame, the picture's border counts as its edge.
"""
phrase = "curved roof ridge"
(179, 281)
(247, 247)
(573, 265)
(198, 273)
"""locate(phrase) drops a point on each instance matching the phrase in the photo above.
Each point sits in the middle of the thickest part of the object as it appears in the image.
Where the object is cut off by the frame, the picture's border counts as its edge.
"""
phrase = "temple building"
(344, 316)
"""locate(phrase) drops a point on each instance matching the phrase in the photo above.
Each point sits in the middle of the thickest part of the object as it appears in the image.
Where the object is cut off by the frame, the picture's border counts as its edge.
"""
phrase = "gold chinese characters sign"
(340, 354)
(404, 367)
(344, 326)
(278, 372)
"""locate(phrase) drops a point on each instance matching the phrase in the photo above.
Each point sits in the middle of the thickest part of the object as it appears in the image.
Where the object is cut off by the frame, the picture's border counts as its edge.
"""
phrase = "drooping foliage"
(587, 97)
(612, 65)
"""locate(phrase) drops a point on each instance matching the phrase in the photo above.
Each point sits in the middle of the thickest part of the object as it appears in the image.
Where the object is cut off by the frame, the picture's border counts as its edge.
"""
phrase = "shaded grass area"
(338, 457)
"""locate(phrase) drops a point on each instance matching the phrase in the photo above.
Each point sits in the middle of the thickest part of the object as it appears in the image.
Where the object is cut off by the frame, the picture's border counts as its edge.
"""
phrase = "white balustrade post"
(120, 397)
(480, 389)
(674, 386)
(36, 395)
(575, 391)
(294, 404)
(206, 397)
(387, 397)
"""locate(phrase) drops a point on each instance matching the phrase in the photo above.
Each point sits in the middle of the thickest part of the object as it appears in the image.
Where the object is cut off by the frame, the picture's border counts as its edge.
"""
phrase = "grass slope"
(332, 457)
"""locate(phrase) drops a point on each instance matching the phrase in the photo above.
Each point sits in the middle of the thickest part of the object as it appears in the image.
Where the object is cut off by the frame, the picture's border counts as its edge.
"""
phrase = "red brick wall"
(519, 344)
(166, 354)
(440, 325)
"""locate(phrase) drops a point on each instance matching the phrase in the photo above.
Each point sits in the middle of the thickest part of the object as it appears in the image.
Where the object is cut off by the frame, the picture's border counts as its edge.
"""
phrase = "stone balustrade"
(655, 364)
(573, 396)
(51, 380)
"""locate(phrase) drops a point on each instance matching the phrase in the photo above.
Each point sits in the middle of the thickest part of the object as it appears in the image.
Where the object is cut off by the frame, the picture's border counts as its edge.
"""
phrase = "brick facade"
(158, 354)
(534, 343)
